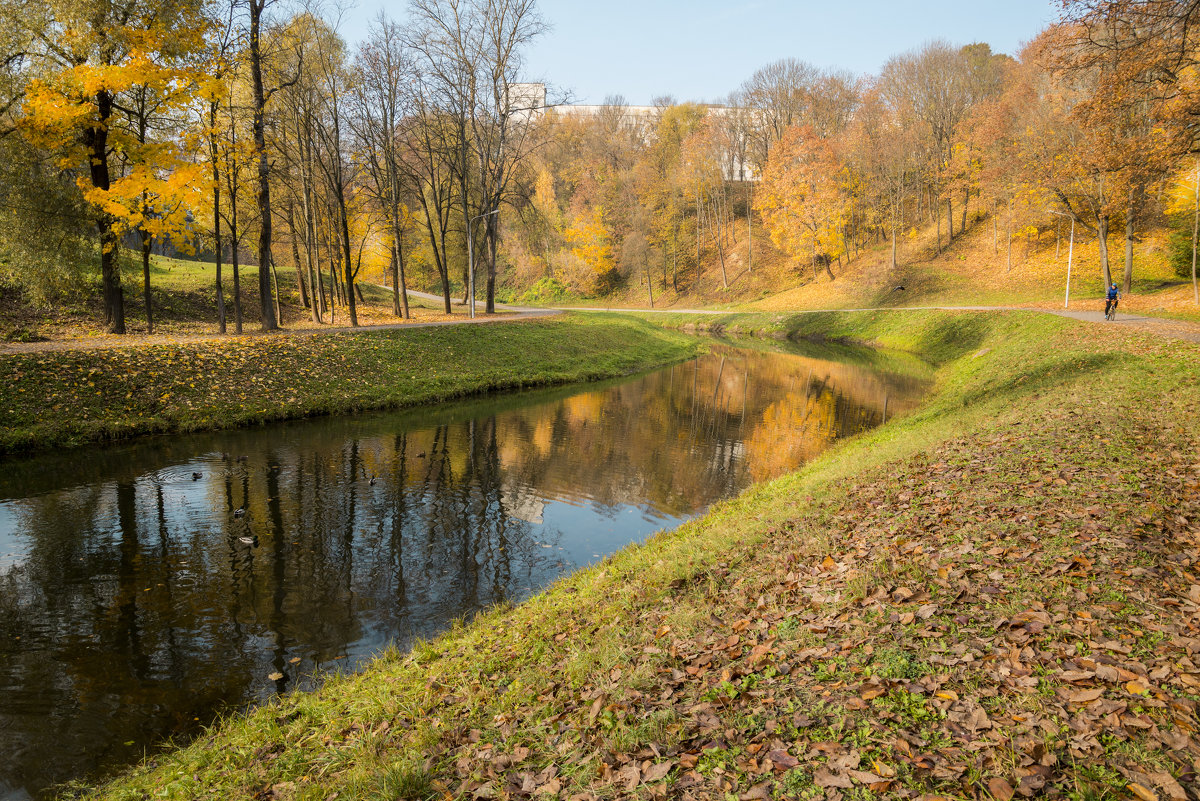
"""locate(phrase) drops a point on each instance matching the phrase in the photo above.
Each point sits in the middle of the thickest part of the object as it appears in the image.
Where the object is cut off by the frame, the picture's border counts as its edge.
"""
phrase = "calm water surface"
(138, 601)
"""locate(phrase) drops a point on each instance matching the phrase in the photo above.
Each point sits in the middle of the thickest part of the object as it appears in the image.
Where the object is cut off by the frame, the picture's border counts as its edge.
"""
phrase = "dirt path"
(1172, 329)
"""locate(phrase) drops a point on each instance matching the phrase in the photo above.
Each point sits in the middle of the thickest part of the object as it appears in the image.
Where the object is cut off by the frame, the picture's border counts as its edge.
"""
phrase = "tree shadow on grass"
(1039, 378)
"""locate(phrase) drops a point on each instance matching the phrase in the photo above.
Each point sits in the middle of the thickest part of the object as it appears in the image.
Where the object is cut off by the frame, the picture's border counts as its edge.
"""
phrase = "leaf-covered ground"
(995, 597)
(76, 396)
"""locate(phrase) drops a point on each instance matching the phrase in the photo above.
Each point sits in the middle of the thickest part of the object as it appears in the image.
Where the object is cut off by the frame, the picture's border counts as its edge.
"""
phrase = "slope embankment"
(993, 596)
(68, 397)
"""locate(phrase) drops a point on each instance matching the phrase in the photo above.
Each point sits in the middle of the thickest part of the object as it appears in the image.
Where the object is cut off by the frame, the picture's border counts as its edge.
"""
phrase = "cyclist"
(1110, 301)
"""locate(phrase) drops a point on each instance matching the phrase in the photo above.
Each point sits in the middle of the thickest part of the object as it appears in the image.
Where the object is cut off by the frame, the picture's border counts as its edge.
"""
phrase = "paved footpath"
(1172, 329)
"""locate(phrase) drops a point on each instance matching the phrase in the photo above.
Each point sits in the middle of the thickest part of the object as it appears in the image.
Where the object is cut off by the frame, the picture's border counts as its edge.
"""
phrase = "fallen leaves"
(1000, 789)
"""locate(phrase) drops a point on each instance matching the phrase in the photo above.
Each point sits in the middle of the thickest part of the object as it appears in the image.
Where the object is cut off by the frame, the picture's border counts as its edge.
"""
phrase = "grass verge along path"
(996, 596)
(72, 397)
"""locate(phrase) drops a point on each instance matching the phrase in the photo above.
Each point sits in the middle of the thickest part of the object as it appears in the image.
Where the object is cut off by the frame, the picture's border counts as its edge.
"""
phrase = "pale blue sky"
(703, 50)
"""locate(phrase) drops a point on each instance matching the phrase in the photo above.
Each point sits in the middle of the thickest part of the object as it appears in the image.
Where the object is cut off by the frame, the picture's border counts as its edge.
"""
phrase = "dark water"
(131, 609)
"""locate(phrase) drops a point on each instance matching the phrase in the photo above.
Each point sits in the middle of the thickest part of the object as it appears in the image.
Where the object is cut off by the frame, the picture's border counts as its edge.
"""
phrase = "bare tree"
(383, 74)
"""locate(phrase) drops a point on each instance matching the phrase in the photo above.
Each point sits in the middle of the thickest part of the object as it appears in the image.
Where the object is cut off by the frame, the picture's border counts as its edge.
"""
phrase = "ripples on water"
(136, 602)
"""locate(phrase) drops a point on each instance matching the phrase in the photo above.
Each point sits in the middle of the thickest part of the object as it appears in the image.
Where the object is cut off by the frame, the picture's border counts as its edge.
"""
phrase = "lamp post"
(471, 259)
(1070, 255)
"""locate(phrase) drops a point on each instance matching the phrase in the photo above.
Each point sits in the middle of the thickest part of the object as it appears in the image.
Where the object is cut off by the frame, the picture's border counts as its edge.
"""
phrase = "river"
(146, 588)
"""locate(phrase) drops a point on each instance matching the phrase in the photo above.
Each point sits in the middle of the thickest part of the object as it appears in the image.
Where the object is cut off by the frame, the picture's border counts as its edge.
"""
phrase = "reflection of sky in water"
(130, 607)
(586, 534)
(11, 549)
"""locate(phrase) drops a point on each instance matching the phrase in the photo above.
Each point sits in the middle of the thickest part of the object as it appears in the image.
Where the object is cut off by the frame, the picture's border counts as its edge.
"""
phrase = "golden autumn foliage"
(802, 200)
(591, 243)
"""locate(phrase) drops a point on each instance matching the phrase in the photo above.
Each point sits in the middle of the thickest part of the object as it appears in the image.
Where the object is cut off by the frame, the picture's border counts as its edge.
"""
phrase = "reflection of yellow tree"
(793, 430)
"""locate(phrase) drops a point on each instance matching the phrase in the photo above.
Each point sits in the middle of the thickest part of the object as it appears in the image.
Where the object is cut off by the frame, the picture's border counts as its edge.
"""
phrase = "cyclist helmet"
(1114, 286)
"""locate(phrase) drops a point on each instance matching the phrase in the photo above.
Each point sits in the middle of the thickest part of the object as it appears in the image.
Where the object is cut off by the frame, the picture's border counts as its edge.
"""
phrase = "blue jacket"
(1113, 293)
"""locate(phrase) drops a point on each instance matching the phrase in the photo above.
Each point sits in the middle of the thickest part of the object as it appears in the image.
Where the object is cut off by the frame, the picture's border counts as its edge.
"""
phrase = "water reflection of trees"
(135, 607)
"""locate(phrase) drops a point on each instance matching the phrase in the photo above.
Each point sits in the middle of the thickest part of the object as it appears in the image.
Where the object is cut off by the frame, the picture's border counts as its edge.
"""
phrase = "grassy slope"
(994, 593)
(184, 298)
(973, 270)
(69, 397)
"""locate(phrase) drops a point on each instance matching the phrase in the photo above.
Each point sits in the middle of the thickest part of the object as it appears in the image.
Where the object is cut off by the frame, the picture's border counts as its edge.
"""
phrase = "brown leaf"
(782, 759)
(551, 787)
(658, 772)
(1141, 791)
(864, 777)
(759, 792)
(1000, 789)
(1086, 696)
(594, 712)
(1136, 688)
(630, 776)
(824, 778)
(275, 676)
(1166, 782)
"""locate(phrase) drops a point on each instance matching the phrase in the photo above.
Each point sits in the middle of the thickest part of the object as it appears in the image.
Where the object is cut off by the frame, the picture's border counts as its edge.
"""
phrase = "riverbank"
(66, 398)
(992, 596)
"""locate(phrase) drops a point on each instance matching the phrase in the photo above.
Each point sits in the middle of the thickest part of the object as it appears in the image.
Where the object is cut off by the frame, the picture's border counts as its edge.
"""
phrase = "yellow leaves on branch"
(591, 241)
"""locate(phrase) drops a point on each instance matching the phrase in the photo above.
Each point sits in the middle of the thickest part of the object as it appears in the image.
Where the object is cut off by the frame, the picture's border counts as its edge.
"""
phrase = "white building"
(529, 101)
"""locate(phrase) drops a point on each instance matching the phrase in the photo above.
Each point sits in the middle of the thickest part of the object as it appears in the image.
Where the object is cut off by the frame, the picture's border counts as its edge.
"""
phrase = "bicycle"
(1110, 313)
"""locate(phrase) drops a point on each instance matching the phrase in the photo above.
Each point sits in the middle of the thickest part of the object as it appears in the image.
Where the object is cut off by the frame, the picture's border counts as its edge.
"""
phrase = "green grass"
(58, 398)
(634, 661)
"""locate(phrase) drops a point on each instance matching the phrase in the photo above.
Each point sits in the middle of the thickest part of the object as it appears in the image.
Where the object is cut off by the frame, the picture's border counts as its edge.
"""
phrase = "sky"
(703, 50)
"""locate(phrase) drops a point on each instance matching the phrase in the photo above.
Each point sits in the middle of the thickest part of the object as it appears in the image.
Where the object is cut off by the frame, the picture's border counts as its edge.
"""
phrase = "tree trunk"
(995, 232)
(1127, 284)
(1102, 241)
(674, 258)
(1008, 231)
(145, 235)
(351, 306)
(750, 230)
(1195, 233)
(966, 203)
(216, 178)
(949, 220)
(96, 140)
(720, 247)
(296, 257)
(395, 282)
(403, 278)
(237, 286)
(938, 220)
(893, 238)
(275, 279)
(269, 322)
(490, 233)
(649, 284)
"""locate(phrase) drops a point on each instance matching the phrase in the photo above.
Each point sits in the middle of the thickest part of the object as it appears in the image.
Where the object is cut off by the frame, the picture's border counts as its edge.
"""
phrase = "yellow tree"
(801, 199)
(591, 243)
(90, 57)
